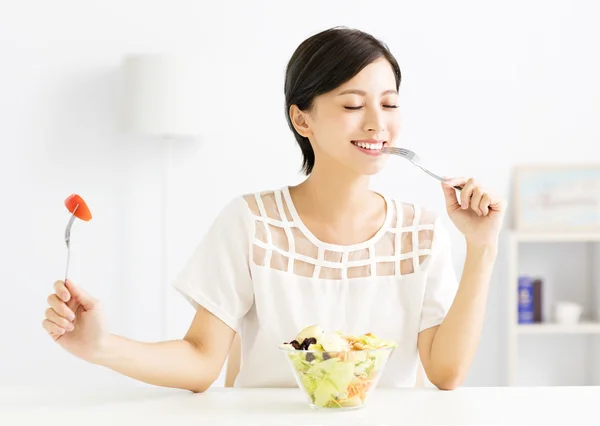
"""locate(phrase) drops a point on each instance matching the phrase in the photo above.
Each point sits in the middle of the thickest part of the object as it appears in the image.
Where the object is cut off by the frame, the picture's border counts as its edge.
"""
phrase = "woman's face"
(350, 124)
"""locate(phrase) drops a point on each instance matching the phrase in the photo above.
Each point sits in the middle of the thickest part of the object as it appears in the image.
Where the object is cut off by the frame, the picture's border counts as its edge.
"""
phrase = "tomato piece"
(83, 211)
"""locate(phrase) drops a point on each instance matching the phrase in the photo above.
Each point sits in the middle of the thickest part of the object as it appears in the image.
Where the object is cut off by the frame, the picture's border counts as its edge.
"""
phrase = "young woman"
(328, 251)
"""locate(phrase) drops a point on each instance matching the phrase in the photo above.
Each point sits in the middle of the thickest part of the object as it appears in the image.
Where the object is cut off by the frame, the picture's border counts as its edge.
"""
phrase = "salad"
(337, 370)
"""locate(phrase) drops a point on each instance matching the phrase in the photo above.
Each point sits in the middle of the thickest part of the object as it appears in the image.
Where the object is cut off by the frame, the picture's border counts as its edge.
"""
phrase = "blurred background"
(488, 88)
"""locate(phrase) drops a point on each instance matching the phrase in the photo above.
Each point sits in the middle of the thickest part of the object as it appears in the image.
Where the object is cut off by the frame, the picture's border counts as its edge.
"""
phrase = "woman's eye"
(354, 108)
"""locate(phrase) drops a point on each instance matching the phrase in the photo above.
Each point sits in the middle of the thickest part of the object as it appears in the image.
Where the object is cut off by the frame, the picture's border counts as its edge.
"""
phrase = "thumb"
(78, 294)
(450, 197)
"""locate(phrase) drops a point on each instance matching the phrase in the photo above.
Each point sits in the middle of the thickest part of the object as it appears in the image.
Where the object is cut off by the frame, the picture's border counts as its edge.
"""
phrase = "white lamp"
(160, 96)
(160, 99)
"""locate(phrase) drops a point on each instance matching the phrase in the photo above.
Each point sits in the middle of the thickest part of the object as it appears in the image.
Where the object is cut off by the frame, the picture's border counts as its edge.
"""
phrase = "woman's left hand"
(476, 212)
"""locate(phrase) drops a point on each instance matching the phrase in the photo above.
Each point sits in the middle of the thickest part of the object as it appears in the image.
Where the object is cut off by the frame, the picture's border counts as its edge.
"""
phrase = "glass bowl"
(337, 380)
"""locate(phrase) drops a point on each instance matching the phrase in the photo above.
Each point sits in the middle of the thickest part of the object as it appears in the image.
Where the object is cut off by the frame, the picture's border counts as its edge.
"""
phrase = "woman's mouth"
(371, 147)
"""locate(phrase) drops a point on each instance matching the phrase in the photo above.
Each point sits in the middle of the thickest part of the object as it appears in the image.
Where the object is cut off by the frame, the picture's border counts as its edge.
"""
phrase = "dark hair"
(323, 62)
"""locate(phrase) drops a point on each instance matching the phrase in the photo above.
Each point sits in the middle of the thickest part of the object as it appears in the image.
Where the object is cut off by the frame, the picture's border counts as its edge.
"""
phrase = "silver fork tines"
(68, 240)
(409, 155)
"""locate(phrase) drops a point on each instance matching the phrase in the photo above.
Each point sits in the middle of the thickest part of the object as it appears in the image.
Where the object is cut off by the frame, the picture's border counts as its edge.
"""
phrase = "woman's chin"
(368, 169)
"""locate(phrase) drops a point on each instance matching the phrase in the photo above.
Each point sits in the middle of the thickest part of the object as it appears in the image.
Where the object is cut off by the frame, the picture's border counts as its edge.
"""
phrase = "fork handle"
(68, 260)
(438, 177)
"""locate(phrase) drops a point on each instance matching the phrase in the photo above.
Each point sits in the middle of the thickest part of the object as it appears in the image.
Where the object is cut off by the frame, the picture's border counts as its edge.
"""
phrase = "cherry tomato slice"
(83, 211)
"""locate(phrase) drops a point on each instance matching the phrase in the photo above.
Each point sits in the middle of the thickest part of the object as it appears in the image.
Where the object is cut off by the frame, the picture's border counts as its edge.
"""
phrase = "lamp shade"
(160, 96)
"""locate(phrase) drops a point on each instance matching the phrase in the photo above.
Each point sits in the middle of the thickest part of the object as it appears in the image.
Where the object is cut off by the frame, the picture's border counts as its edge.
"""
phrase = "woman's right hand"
(74, 320)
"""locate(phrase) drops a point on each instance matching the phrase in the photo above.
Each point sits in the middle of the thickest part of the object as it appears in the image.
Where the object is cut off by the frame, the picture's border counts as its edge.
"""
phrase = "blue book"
(525, 300)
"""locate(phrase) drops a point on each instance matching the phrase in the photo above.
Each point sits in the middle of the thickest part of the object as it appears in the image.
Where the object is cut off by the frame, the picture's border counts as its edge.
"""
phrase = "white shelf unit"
(585, 327)
(516, 330)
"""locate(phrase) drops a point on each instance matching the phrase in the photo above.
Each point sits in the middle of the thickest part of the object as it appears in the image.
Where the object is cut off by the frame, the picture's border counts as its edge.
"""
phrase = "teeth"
(373, 146)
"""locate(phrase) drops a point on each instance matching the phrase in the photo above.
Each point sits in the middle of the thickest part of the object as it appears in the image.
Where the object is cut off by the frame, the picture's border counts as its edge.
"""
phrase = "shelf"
(530, 237)
(551, 332)
(551, 328)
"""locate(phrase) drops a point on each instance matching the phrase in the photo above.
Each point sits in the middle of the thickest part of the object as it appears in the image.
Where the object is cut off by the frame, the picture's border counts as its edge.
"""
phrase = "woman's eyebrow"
(363, 93)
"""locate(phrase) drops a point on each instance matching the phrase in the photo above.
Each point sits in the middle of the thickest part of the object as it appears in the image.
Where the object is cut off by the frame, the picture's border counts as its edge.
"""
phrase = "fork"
(68, 240)
(409, 155)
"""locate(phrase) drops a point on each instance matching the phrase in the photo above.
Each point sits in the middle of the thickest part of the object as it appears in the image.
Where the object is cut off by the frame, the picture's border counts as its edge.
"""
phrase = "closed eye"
(355, 108)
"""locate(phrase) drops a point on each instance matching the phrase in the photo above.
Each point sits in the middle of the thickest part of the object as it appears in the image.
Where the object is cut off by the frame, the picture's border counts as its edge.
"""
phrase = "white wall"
(485, 87)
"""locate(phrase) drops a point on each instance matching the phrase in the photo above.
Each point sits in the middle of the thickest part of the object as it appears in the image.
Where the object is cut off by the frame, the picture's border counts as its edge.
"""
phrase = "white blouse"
(264, 274)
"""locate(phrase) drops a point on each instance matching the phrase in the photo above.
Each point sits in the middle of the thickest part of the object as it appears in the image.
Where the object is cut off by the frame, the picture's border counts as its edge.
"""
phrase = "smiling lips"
(369, 146)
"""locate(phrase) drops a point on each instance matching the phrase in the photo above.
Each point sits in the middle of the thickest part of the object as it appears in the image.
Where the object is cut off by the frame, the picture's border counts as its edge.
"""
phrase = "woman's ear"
(300, 121)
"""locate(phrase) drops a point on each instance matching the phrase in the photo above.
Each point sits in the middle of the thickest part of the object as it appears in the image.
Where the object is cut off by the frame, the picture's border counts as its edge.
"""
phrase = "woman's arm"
(447, 350)
(192, 363)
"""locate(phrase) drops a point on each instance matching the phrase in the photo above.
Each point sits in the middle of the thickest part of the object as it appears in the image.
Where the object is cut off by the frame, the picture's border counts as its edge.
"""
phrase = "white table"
(286, 407)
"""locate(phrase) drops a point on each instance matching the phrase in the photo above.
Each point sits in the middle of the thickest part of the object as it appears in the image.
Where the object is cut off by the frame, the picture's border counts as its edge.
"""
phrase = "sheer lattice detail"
(282, 242)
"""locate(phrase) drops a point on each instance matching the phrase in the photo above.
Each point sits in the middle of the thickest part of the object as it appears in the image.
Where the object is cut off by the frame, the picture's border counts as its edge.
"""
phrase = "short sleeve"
(441, 283)
(217, 275)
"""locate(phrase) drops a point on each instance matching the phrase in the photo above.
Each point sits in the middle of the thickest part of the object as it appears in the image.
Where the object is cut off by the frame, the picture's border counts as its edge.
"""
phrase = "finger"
(53, 329)
(64, 323)
(61, 291)
(60, 307)
(466, 193)
(496, 203)
(450, 197)
(484, 204)
(476, 200)
(86, 301)
(456, 181)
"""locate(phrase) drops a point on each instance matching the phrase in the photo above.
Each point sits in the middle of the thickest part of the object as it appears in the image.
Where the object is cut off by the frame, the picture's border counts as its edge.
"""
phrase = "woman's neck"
(334, 192)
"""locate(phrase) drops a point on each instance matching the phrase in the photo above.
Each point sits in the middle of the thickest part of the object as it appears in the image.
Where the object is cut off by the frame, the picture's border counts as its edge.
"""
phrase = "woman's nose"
(374, 122)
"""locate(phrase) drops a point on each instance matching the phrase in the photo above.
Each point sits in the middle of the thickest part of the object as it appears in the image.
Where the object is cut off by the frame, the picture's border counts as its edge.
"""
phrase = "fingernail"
(64, 297)
(70, 327)
(71, 316)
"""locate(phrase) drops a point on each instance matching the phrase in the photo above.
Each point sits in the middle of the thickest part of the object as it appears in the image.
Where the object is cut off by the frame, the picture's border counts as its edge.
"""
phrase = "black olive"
(307, 342)
(295, 344)
(310, 357)
(310, 341)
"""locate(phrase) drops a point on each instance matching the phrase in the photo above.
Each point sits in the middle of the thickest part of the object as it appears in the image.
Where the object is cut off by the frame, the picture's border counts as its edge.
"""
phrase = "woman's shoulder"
(264, 204)
(244, 209)
(423, 224)
(411, 215)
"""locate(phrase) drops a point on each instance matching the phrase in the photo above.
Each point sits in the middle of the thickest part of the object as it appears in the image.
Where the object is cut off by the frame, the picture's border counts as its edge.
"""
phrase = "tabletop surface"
(408, 406)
